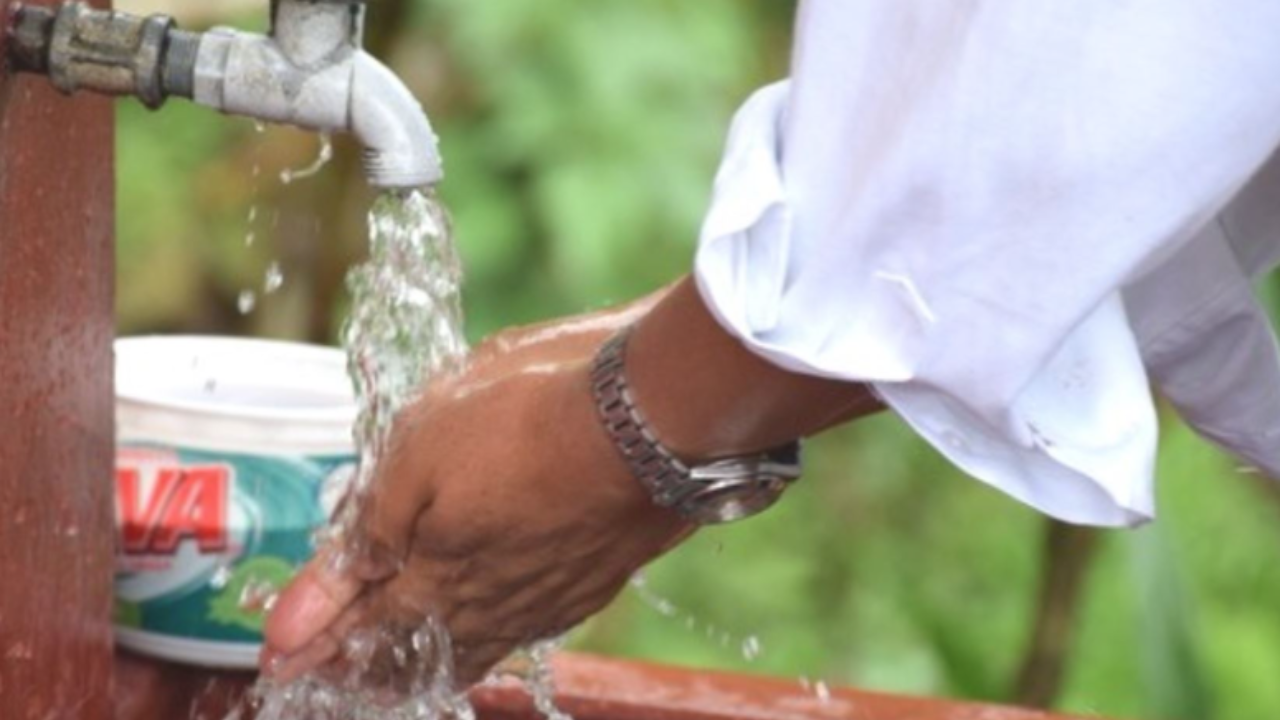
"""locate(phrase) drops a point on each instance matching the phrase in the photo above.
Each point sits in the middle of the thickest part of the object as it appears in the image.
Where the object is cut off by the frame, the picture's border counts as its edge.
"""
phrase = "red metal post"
(56, 428)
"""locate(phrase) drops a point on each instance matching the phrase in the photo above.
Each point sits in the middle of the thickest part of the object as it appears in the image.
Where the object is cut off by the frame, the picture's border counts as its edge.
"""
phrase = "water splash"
(257, 596)
(822, 692)
(405, 327)
(273, 280)
(749, 646)
(246, 302)
(819, 689)
(250, 234)
(532, 667)
(221, 577)
(288, 176)
(418, 659)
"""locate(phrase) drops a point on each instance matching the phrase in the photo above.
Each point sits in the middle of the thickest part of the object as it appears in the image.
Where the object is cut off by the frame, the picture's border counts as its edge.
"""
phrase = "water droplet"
(246, 302)
(257, 595)
(249, 238)
(751, 648)
(220, 577)
(274, 278)
(259, 126)
(822, 692)
(326, 154)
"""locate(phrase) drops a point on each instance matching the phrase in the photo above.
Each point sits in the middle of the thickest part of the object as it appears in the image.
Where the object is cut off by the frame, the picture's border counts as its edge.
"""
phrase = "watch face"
(729, 500)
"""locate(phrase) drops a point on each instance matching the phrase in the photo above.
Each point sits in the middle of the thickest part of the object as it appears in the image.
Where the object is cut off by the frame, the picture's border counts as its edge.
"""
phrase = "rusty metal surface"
(56, 445)
(590, 688)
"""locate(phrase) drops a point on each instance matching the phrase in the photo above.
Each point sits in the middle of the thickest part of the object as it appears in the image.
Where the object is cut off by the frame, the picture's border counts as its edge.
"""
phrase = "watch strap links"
(671, 482)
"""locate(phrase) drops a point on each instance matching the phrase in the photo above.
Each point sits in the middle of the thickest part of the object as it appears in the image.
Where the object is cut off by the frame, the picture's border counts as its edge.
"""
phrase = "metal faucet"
(310, 71)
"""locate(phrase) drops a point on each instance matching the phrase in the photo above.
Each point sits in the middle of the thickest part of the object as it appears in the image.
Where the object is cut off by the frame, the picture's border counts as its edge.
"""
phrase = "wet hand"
(502, 510)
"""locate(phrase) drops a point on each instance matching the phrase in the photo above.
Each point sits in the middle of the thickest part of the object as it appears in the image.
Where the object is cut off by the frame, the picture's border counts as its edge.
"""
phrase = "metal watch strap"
(669, 480)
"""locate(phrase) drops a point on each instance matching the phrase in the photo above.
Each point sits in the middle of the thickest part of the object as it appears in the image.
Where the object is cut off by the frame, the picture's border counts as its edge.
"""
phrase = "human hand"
(501, 510)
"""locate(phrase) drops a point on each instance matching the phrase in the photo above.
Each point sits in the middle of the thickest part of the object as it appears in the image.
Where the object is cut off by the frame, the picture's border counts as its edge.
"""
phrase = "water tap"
(310, 71)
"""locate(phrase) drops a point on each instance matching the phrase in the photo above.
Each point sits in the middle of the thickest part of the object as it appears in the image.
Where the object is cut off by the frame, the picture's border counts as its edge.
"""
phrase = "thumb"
(315, 598)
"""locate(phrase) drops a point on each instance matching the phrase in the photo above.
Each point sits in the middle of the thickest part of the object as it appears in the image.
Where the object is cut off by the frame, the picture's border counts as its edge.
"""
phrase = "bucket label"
(203, 538)
(161, 504)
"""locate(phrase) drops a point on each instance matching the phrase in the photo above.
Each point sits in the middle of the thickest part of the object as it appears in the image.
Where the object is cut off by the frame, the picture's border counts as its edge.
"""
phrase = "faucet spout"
(351, 91)
(400, 148)
(310, 72)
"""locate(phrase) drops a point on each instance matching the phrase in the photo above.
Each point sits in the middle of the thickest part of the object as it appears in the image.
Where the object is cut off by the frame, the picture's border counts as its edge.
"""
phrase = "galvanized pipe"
(310, 72)
(81, 48)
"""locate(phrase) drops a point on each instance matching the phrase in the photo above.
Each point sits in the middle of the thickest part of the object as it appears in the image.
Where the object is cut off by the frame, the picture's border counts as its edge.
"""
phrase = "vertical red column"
(56, 428)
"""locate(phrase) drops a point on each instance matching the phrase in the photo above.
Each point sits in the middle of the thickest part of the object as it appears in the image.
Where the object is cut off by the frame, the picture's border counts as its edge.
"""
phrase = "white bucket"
(230, 453)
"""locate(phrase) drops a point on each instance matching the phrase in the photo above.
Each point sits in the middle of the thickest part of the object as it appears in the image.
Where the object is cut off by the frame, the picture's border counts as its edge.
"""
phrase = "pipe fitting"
(108, 52)
(310, 72)
(309, 32)
(244, 74)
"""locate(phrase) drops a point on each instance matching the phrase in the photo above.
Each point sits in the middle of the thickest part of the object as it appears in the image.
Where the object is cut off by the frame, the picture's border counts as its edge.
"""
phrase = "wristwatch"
(719, 491)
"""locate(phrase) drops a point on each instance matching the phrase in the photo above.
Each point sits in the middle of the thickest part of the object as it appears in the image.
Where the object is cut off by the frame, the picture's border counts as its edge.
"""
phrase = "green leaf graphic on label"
(126, 614)
(251, 581)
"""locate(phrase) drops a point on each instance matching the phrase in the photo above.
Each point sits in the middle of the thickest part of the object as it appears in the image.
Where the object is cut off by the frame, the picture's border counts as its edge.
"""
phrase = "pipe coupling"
(104, 51)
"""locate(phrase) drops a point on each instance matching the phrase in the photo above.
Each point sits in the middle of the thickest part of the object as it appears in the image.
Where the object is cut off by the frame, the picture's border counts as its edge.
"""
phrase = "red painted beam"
(589, 688)
(594, 688)
(57, 196)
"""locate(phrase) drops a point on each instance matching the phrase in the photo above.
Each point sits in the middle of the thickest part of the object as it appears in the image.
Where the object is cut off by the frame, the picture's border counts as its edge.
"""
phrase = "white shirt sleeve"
(1003, 214)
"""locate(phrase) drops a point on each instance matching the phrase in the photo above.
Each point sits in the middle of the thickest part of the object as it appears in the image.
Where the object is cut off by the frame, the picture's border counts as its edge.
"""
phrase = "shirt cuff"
(1074, 458)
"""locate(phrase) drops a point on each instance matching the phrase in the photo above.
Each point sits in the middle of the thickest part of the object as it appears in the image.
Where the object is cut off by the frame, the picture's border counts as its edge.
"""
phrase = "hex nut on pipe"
(29, 30)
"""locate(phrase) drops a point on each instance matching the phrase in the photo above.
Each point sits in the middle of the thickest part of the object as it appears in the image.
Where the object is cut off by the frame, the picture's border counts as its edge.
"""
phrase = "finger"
(327, 652)
(366, 648)
(315, 598)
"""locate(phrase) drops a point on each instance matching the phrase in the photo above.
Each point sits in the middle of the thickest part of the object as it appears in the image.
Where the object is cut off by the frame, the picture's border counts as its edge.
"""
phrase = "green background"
(580, 139)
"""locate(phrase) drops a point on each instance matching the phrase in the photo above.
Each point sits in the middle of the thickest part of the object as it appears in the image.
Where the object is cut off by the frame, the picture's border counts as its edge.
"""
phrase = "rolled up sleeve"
(951, 201)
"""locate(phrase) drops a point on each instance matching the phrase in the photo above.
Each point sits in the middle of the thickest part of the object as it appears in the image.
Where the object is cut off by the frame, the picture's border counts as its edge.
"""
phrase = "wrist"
(606, 482)
(707, 396)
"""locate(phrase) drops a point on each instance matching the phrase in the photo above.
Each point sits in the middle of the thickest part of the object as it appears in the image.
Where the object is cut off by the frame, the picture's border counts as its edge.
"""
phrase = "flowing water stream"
(405, 327)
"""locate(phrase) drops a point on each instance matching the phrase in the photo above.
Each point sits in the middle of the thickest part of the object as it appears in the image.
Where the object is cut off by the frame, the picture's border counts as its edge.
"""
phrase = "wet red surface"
(590, 688)
(56, 326)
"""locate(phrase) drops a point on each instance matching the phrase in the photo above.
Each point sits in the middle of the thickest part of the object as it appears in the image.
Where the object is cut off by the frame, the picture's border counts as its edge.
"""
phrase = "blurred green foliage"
(580, 140)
